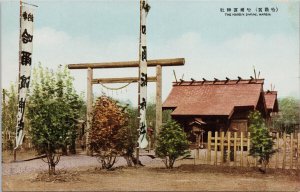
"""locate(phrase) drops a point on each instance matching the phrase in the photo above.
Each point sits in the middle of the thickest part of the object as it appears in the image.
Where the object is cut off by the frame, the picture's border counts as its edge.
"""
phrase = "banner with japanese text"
(143, 76)
(25, 59)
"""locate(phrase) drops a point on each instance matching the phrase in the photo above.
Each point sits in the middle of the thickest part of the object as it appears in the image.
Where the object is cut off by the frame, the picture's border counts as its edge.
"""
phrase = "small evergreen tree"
(171, 143)
(53, 110)
(261, 141)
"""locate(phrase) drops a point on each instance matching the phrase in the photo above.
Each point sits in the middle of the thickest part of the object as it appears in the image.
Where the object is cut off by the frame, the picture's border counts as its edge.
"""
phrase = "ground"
(83, 174)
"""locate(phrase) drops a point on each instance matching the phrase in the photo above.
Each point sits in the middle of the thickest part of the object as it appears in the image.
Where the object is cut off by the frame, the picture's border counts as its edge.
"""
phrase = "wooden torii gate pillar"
(125, 64)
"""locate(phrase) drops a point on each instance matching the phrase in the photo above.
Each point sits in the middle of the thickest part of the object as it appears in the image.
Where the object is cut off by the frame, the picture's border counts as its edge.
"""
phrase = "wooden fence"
(233, 148)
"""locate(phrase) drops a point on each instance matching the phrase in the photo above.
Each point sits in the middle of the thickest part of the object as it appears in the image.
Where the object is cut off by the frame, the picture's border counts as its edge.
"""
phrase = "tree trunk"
(263, 168)
(72, 148)
(51, 164)
(52, 170)
(108, 162)
(171, 163)
(128, 160)
(64, 150)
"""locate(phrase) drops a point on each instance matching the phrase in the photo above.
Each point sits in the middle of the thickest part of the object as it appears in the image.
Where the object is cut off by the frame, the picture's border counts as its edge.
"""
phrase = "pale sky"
(214, 45)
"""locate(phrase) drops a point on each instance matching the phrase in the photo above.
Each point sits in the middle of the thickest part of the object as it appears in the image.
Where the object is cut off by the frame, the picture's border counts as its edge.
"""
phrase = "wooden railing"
(232, 148)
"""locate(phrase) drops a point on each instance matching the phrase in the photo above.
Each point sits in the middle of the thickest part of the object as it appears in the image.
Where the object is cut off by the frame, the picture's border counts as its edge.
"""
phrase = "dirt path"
(186, 177)
(155, 179)
(66, 162)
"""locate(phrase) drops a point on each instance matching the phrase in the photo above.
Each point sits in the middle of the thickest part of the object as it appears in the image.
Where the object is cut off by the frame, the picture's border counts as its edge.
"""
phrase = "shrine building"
(219, 105)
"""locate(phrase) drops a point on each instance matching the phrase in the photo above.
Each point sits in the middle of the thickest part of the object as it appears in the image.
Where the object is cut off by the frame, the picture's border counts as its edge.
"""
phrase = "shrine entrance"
(125, 64)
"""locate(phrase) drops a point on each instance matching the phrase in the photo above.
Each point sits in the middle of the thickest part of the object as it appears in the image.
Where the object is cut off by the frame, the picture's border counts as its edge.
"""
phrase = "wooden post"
(248, 149)
(228, 146)
(277, 152)
(216, 148)
(234, 148)
(19, 76)
(242, 148)
(222, 147)
(4, 138)
(198, 146)
(284, 151)
(149, 145)
(291, 150)
(208, 147)
(89, 105)
(298, 149)
(158, 100)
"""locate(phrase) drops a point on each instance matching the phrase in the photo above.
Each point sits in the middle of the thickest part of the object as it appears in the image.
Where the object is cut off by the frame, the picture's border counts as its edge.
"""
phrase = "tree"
(9, 115)
(172, 143)
(109, 136)
(288, 116)
(261, 140)
(151, 113)
(166, 115)
(131, 133)
(53, 110)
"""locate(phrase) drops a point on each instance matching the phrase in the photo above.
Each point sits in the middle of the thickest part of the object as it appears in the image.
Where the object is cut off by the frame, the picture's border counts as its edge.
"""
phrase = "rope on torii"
(114, 89)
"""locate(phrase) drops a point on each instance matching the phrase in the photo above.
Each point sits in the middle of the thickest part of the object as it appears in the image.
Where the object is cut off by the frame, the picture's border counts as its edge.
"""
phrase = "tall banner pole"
(143, 75)
(142, 140)
(20, 17)
(25, 60)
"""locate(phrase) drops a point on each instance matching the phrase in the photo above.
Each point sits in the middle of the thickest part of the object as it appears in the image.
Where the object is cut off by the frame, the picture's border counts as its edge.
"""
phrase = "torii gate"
(159, 63)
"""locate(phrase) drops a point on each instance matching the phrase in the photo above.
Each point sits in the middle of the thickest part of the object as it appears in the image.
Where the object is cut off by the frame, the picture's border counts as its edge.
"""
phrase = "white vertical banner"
(142, 140)
(25, 58)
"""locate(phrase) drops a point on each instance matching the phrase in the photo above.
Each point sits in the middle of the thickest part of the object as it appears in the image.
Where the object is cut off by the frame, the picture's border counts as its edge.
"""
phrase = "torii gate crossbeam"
(126, 64)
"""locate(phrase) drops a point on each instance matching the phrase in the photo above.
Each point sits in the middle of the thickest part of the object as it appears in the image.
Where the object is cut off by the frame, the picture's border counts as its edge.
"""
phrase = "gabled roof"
(197, 121)
(271, 101)
(218, 97)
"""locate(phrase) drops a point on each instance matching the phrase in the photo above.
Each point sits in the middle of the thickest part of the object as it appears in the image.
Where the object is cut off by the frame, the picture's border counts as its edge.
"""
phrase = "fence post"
(277, 152)
(298, 149)
(248, 149)
(291, 150)
(284, 150)
(242, 148)
(216, 148)
(228, 146)
(208, 147)
(222, 147)
(234, 148)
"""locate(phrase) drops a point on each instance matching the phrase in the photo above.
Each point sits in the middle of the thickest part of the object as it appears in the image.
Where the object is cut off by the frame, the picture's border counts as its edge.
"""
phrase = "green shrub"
(261, 140)
(172, 143)
(53, 110)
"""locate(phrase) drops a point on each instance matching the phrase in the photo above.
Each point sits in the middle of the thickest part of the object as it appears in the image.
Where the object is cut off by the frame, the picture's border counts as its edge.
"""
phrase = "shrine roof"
(218, 97)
